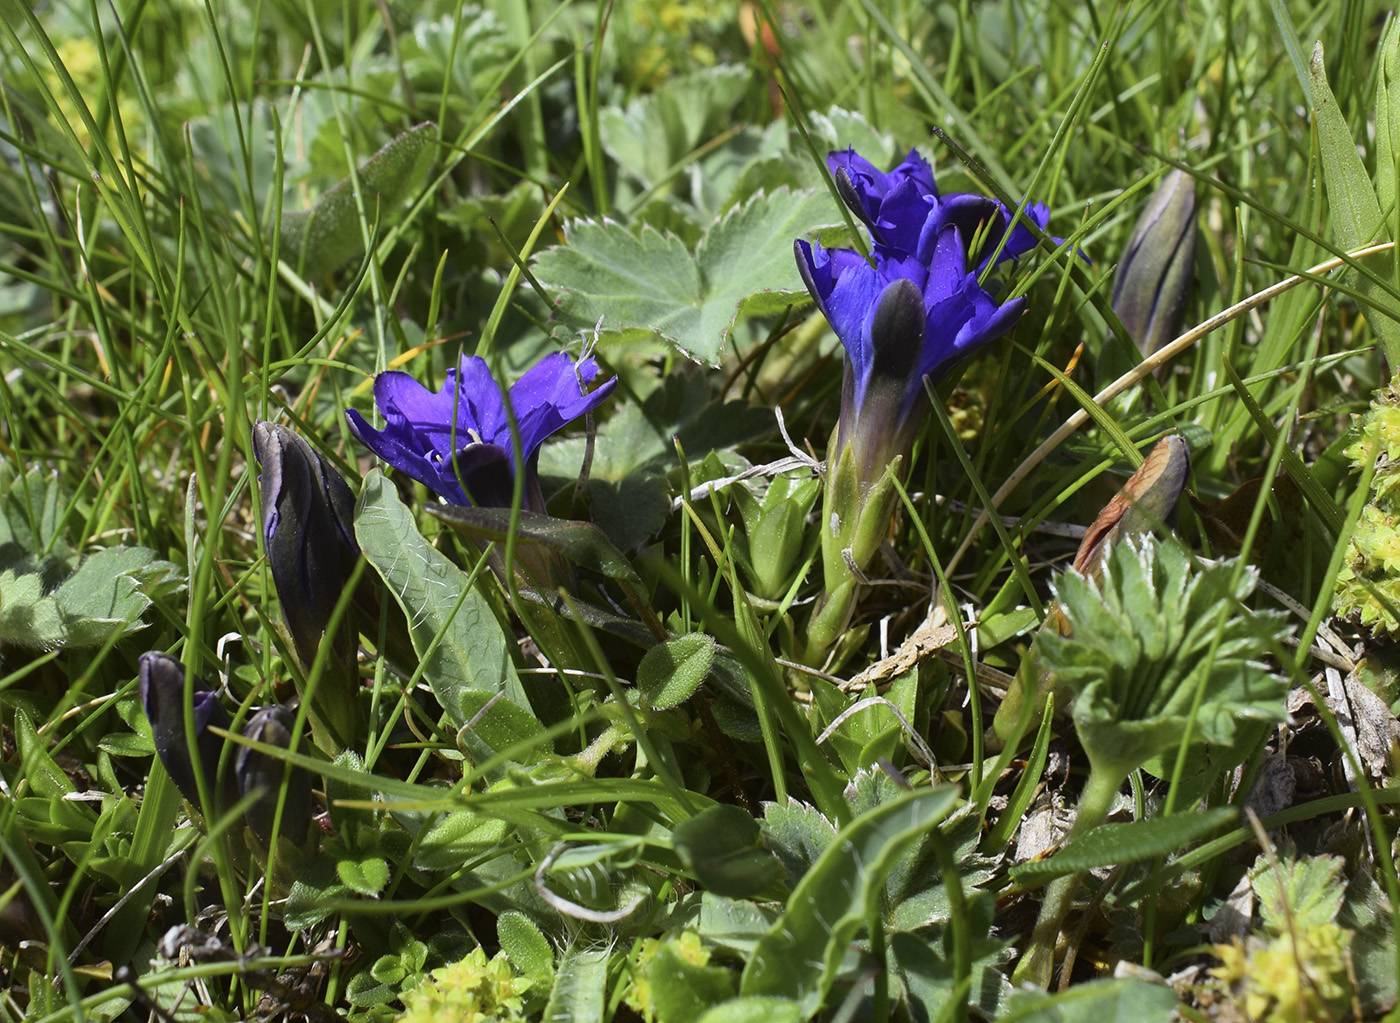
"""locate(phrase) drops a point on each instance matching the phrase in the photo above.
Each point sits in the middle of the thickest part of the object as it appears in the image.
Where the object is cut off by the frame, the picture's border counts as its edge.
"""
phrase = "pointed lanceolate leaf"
(1113, 844)
(582, 543)
(1356, 212)
(473, 654)
(320, 239)
(1388, 120)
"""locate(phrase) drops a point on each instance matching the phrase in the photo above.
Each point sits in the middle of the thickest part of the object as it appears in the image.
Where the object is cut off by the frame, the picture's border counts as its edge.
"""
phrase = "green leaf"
(648, 283)
(671, 671)
(798, 834)
(458, 837)
(367, 876)
(800, 956)
(320, 239)
(1308, 894)
(1116, 844)
(1141, 639)
(1356, 212)
(314, 895)
(528, 950)
(27, 617)
(582, 543)
(29, 516)
(659, 129)
(580, 984)
(473, 654)
(1098, 1001)
(755, 1009)
(682, 990)
(503, 726)
(1388, 119)
(734, 924)
(721, 846)
(107, 593)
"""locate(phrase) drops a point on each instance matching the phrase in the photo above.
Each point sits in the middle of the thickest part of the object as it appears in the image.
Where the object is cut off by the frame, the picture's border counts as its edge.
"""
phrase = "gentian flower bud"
(308, 530)
(1155, 274)
(457, 440)
(161, 687)
(906, 315)
(256, 771)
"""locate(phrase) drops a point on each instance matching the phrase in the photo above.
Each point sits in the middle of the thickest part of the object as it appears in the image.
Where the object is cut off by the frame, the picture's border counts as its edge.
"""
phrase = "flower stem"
(1038, 963)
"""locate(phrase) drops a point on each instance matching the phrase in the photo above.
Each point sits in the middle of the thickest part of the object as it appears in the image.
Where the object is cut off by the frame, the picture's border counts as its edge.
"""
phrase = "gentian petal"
(430, 435)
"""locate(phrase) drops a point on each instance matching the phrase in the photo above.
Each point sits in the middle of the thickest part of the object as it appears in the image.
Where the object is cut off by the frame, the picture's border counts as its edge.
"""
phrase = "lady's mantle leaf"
(800, 956)
(649, 283)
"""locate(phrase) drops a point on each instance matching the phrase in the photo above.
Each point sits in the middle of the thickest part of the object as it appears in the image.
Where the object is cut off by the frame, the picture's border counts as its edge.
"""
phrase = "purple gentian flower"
(457, 441)
(919, 309)
(896, 208)
(907, 314)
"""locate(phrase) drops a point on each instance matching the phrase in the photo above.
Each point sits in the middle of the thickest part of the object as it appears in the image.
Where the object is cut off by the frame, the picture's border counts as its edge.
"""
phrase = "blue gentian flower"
(907, 314)
(896, 208)
(457, 440)
(919, 309)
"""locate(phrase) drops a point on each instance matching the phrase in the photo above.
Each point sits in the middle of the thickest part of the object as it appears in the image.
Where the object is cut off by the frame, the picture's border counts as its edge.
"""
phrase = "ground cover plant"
(699, 512)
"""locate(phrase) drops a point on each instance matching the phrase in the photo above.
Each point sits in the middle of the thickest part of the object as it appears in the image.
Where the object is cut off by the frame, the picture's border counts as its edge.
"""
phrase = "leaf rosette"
(1147, 638)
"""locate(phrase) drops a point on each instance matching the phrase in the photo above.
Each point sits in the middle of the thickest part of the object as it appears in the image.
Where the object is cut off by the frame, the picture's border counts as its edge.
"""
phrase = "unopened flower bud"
(1154, 276)
(257, 771)
(308, 529)
(161, 686)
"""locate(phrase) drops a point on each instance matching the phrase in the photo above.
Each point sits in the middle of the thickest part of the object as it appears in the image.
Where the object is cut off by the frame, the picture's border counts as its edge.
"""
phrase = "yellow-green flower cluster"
(1280, 982)
(1368, 587)
(473, 990)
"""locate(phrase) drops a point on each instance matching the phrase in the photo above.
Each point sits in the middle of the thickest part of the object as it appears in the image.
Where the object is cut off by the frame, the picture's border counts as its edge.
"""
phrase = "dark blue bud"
(161, 685)
(262, 773)
(308, 529)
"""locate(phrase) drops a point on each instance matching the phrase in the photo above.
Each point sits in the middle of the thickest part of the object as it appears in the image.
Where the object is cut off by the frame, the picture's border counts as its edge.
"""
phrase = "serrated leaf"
(1356, 212)
(473, 654)
(657, 130)
(671, 671)
(648, 283)
(27, 617)
(105, 593)
(798, 834)
(1309, 892)
(1115, 844)
(800, 956)
(720, 845)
